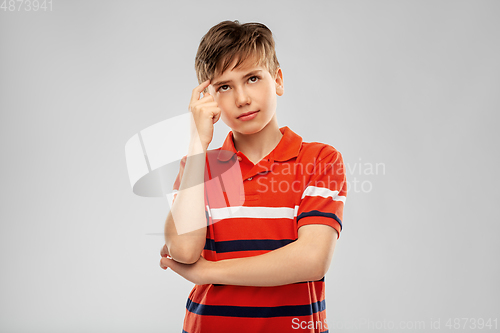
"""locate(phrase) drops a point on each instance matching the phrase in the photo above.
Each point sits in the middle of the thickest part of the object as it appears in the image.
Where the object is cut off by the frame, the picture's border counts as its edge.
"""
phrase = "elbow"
(320, 272)
(184, 255)
(319, 269)
(317, 273)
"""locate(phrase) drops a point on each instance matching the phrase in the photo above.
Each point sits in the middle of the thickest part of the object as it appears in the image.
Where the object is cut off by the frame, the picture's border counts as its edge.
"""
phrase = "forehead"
(246, 66)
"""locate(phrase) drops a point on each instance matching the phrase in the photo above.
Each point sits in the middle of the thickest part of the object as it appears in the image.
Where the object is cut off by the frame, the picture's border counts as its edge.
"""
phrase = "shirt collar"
(288, 147)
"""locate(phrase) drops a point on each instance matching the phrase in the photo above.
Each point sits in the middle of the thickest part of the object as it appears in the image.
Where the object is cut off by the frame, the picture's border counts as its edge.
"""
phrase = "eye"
(223, 88)
(254, 79)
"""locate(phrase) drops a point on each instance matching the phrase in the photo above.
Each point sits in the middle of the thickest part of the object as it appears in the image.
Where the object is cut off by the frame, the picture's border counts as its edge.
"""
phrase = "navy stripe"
(255, 311)
(318, 213)
(319, 332)
(320, 280)
(210, 244)
(246, 245)
(207, 217)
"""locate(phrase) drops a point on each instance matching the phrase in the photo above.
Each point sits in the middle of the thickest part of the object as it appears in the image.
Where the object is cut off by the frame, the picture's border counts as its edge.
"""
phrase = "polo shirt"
(296, 184)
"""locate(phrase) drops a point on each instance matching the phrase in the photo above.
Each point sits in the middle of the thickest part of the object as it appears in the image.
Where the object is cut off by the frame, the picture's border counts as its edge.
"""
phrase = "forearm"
(185, 227)
(289, 264)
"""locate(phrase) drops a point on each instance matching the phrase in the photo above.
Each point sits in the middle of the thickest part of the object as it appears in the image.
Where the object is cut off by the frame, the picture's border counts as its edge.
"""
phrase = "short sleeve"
(324, 195)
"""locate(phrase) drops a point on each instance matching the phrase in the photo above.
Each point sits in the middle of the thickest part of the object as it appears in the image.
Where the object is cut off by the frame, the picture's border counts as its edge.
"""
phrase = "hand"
(164, 252)
(206, 113)
(197, 273)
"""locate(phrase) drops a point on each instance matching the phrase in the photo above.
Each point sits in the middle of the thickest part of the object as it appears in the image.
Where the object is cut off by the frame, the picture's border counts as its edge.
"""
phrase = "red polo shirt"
(298, 183)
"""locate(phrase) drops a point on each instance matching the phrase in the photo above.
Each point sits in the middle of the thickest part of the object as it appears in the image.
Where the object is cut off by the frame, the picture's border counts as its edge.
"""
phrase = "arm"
(185, 227)
(306, 259)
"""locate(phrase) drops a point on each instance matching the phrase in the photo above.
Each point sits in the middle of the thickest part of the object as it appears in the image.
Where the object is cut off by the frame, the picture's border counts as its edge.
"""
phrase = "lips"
(246, 114)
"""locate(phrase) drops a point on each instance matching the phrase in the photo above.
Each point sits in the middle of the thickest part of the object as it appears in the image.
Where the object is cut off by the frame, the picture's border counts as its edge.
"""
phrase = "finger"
(203, 100)
(217, 116)
(164, 251)
(164, 263)
(211, 112)
(204, 107)
(207, 110)
(197, 91)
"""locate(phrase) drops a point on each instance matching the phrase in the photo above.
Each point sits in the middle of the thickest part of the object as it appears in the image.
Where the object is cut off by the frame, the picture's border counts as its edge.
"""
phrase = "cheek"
(269, 96)
(224, 115)
(221, 101)
(269, 92)
(221, 104)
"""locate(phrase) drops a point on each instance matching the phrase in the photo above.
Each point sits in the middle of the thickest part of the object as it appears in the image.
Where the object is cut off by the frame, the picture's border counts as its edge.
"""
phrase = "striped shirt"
(298, 183)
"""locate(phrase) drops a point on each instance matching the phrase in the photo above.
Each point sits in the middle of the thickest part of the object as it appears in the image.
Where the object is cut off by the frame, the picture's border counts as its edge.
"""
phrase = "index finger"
(197, 91)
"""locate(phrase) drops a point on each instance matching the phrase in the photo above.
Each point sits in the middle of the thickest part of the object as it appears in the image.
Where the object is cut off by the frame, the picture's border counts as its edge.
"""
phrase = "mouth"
(247, 113)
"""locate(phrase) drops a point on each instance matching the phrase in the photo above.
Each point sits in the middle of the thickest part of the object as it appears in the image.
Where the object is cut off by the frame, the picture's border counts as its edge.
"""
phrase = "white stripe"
(254, 212)
(314, 191)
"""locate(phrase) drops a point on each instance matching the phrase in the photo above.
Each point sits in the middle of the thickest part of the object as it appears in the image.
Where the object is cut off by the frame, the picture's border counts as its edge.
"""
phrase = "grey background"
(410, 84)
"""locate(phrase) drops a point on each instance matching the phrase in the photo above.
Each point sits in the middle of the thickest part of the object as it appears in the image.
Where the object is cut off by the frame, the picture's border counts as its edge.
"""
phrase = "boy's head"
(245, 76)
(229, 41)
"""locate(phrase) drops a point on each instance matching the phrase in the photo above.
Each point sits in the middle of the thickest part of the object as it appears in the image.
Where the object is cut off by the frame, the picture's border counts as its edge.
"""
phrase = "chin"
(250, 128)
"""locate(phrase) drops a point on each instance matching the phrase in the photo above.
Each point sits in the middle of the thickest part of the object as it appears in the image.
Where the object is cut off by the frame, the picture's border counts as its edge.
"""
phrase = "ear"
(280, 89)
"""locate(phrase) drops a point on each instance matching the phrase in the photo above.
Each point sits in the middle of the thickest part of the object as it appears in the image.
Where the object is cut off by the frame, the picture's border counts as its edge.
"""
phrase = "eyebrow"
(252, 73)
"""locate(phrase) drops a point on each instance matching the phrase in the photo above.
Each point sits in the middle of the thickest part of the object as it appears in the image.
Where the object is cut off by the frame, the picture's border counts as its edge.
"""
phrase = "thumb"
(165, 262)
(216, 117)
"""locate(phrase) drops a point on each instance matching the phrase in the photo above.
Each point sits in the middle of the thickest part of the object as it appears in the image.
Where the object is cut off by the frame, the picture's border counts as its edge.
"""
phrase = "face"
(248, 88)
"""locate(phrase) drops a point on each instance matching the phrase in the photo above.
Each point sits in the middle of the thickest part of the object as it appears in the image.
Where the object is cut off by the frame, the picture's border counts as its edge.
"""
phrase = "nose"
(242, 97)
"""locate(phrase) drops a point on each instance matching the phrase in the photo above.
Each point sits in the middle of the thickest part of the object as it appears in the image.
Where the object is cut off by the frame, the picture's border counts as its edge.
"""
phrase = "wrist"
(197, 147)
(212, 273)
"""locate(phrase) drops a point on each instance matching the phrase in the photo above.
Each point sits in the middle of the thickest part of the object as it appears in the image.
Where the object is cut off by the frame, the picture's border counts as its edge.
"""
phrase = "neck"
(258, 145)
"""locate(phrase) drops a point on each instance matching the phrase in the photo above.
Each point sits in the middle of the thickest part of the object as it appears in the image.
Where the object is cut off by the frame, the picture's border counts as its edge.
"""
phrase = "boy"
(258, 267)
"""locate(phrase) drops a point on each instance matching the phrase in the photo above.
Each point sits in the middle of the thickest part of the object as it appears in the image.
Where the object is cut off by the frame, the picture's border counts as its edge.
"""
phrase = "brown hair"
(231, 40)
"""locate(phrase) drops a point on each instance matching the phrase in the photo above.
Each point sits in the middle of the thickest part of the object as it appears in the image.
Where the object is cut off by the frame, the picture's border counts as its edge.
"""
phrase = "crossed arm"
(306, 259)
